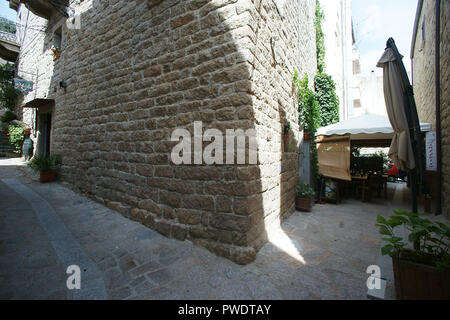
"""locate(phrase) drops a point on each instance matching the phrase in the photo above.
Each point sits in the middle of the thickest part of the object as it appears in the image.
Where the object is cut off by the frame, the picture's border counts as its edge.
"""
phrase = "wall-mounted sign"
(23, 85)
(430, 151)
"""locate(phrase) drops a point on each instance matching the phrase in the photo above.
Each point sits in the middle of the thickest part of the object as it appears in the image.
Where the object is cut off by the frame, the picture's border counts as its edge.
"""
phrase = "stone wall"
(445, 103)
(137, 70)
(424, 73)
(425, 83)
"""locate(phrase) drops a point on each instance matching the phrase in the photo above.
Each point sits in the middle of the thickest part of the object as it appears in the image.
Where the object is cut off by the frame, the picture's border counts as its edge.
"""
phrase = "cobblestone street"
(44, 228)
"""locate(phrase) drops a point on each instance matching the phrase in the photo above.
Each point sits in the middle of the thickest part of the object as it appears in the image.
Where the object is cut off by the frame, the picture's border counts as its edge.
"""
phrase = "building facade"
(430, 54)
(130, 73)
(341, 54)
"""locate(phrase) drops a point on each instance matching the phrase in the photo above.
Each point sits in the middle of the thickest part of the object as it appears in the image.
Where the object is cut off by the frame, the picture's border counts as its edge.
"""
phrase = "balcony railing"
(42, 8)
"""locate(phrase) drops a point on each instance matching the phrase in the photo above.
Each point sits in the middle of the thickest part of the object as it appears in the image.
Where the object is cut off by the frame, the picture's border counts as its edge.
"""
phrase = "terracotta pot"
(303, 204)
(56, 56)
(47, 176)
(415, 281)
(286, 141)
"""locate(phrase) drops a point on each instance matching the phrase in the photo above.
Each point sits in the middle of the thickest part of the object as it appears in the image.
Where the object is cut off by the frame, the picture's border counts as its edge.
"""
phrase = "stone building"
(430, 53)
(131, 72)
(341, 54)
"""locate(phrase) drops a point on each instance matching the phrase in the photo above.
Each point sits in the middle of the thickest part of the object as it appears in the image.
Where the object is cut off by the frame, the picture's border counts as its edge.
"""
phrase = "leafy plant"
(7, 25)
(320, 39)
(324, 85)
(16, 137)
(45, 163)
(8, 94)
(8, 116)
(327, 99)
(430, 240)
(305, 191)
(287, 128)
(309, 115)
(386, 159)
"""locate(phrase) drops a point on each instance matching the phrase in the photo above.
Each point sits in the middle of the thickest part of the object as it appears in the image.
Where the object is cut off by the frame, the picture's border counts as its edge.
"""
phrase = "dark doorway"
(45, 122)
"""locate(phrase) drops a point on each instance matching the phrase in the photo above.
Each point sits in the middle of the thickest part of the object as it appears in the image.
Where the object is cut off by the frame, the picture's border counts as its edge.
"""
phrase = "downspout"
(438, 107)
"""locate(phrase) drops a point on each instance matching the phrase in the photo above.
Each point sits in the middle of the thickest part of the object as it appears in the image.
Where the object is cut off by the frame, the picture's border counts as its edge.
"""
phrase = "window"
(422, 45)
(357, 103)
(57, 38)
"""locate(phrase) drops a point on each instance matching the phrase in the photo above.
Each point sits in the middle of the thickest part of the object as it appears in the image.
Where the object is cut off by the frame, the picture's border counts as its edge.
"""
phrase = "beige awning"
(401, 151)
(334, 157)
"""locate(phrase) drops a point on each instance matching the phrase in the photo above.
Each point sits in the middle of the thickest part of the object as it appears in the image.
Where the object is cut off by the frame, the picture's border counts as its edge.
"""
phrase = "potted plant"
(304, 197)
(47, 167)
(287, 129)
(421, 262)
(55, 52)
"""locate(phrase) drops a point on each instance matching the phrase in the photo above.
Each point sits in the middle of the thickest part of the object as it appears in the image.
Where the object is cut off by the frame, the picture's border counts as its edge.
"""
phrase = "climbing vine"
(327, 99)
(320, 39)
(309, 116)
(324, 85)
(8, 94)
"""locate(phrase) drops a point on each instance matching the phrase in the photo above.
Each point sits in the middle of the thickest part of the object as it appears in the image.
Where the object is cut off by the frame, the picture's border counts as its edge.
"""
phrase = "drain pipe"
(438, 107)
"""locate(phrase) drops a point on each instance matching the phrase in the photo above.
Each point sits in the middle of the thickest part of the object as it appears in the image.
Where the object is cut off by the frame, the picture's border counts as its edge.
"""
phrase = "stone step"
(6, 148)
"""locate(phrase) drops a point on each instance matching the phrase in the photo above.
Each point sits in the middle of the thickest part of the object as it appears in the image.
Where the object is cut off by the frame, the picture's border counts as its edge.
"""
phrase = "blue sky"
(6, 12)
(377, 20)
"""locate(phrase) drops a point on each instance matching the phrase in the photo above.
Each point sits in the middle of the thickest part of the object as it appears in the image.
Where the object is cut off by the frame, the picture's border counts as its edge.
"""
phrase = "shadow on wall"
(138, 70)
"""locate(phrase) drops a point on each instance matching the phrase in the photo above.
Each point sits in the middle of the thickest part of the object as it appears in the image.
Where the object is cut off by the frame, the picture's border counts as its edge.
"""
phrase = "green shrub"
(8, 94)
(320, 38)
(430, 240)
(16, 138)
(305, 191)
(309, 115)
(8, 116)
(45, 163)
(327, 99)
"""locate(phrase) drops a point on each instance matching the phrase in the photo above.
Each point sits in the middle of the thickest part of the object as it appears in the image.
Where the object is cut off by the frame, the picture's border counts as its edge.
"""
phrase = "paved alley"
(44, 228)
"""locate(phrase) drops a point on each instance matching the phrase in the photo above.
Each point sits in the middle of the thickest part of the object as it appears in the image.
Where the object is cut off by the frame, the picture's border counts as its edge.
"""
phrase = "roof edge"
(416, 27)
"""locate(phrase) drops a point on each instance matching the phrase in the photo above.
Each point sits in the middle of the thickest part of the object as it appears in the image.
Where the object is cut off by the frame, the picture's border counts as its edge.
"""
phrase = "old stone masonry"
(129, 73)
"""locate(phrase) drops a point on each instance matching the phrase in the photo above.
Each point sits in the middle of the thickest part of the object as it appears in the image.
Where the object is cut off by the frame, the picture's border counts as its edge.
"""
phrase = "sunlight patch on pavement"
(278, 237)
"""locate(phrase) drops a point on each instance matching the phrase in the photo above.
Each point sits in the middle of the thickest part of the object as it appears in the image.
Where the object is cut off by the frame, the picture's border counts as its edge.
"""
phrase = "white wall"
(337, 28)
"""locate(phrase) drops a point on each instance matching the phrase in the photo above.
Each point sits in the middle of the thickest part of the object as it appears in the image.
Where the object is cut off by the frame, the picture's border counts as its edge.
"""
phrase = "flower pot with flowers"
(305, 195)
(55, 52)
(47, 166)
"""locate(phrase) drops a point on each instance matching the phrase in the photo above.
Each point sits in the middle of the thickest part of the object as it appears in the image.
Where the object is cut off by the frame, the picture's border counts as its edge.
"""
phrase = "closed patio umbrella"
(401, 151)
(407, 146)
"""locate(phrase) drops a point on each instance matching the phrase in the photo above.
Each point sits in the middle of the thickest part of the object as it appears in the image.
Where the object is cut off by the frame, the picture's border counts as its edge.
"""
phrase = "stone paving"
(323, 254)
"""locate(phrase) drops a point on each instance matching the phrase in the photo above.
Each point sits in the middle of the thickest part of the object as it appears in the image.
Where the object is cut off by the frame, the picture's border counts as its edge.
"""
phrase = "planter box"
(47, 176)
(303, 204)
(415, 281)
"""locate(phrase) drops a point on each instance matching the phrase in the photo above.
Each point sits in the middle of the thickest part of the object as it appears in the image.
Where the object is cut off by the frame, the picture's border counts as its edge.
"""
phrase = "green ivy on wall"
(320, 39)
(324, 85)
(327, 99)
(8, 94)
(309, 116)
